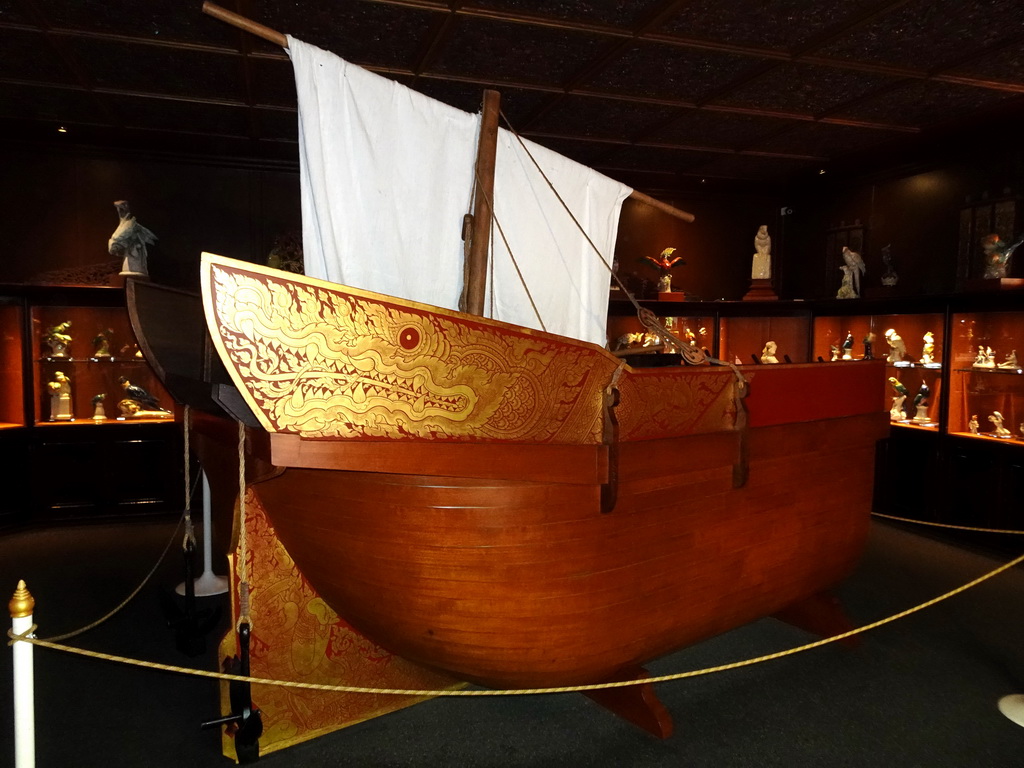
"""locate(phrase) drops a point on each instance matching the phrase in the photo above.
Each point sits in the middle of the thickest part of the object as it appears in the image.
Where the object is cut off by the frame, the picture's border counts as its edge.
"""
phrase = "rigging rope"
(190, 533)
(242, 567)
(508, 247)
(692, 354)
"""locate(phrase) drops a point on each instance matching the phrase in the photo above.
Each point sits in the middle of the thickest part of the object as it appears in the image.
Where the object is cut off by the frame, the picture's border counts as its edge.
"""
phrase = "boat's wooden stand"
(821, 614)
(638, 704)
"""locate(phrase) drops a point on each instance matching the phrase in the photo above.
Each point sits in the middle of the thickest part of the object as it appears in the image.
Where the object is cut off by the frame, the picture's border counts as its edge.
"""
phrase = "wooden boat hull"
(520, 509)
(525, 584)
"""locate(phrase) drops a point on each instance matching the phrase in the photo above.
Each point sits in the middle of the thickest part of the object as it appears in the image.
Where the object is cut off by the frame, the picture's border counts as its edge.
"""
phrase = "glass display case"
(627, 335)
(12, 401)
(913, 346)
(955, 392)
(986, 399)
(87, 368)
(746, 340)
(84, 421)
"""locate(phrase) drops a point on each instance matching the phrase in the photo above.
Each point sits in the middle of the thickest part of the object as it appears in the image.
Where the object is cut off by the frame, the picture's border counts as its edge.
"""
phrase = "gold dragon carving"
(326, 363)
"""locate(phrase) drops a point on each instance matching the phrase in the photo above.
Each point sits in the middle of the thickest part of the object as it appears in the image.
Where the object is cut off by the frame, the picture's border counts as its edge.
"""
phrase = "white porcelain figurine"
(928, 353)
(896, 413)
(997, 422)
(985, 358)
(761, 268)
(897, 348)
(60, 397)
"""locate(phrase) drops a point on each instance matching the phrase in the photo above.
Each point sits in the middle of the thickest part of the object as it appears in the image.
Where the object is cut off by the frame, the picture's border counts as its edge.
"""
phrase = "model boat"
(517, 507)
(522, 509)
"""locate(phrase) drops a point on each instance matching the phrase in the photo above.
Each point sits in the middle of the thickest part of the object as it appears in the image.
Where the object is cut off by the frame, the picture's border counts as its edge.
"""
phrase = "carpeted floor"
(919, 692)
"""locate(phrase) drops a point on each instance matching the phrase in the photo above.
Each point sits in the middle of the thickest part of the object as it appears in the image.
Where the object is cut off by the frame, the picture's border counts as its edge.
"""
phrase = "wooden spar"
(663, 207)
(475, 287)
(247, 25)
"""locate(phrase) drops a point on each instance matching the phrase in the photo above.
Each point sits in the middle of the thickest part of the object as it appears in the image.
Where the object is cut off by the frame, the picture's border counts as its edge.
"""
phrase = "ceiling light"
(62, 129)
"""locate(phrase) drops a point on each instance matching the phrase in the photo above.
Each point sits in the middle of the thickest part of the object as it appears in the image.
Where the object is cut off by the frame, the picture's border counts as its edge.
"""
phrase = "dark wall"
(717, 247)
(58, 213)
(918, 214)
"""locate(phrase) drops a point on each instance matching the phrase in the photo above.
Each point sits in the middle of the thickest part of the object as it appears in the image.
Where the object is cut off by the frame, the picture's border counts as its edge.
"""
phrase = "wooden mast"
(475, 286)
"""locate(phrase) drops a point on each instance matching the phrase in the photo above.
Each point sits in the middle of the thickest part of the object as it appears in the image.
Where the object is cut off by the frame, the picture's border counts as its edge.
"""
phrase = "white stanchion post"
(21, 606)
(208, 584)
(1012, 707)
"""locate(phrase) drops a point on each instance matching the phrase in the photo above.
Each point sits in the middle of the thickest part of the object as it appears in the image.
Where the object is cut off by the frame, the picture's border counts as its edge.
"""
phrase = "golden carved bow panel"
(297, 637)
(670, 402)
(323, 361)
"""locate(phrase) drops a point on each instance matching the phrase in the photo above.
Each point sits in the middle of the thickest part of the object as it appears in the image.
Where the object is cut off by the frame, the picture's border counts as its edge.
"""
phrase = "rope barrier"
(134, 592)
(945, 525)
(524, 691)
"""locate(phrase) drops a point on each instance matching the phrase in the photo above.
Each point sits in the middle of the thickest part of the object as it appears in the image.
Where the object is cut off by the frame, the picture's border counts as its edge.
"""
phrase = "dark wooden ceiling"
(659, 93)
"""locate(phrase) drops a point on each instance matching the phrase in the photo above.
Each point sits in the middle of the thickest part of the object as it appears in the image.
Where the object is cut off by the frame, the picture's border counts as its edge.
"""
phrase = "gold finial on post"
(22, 603)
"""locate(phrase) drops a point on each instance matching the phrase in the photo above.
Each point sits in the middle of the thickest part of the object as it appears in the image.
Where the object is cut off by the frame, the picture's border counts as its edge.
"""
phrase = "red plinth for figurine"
(760, 290)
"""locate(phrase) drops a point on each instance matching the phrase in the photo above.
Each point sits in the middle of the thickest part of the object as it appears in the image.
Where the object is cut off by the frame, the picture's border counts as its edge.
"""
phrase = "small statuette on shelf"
(1021, 428)
(130, 409)
(853, 268)
(129, 242)
(921, 402)
(889, 277)
(896, 413)
(973, 426)
(928, 353)
(101, 344)
(1010, 362)
(997, 423)
(140, 404)
(98, 412)
(761, 268)
(60, 398)
(997, 254)
(58, 339)
(664, 263)
(897, 347)
(985, 358)
(835, 353)
(848, 346)
(869, 346)
(768, 353)
(637, 339)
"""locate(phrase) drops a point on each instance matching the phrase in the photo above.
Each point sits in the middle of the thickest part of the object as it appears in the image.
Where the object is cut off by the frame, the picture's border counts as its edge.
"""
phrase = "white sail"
(387, 177)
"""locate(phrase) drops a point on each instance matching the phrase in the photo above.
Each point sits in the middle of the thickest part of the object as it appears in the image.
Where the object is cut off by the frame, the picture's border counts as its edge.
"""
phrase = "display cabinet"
(87, 367)
(913, 347)
(749, 339)
(12, 401)
(85, 421)
(953, 355)
(986, 400)
(626, 332)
